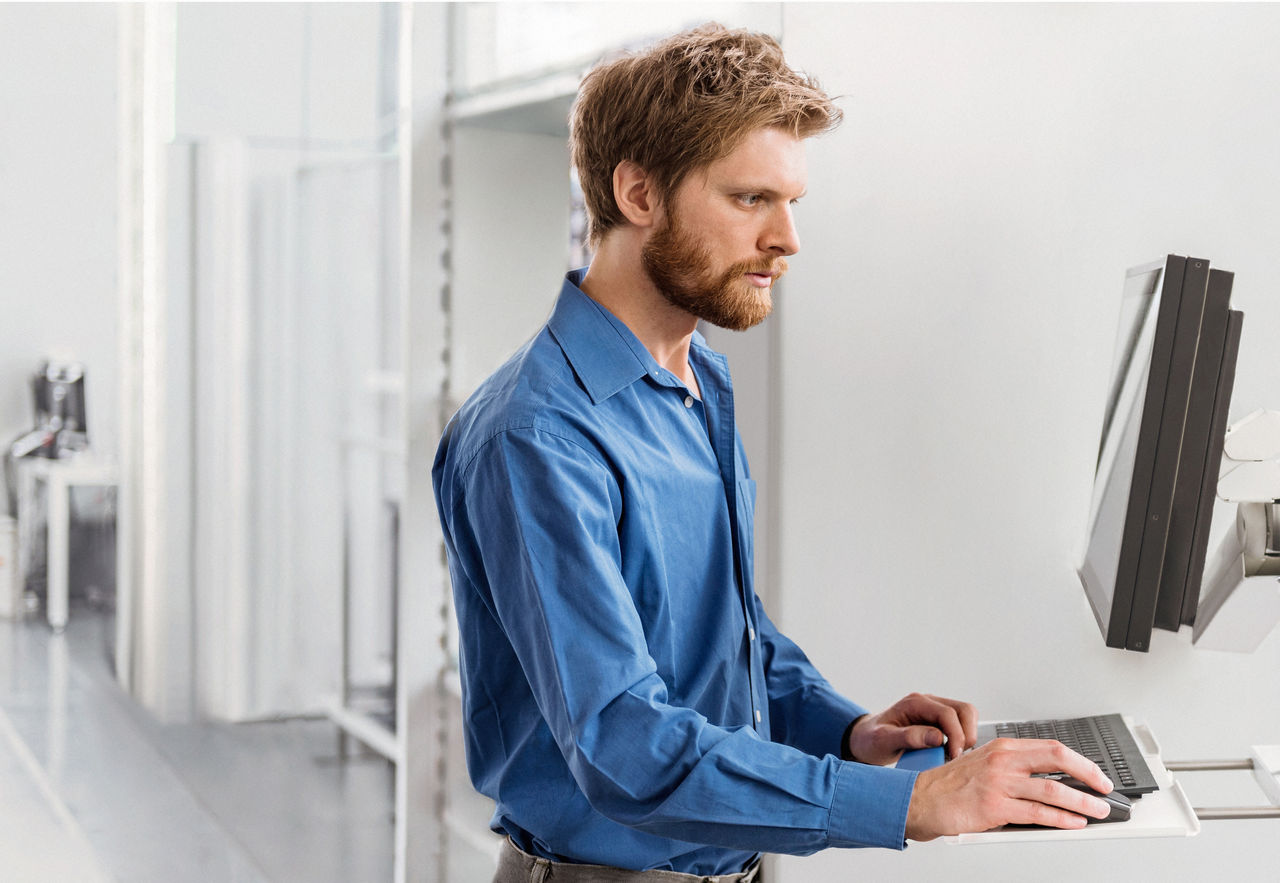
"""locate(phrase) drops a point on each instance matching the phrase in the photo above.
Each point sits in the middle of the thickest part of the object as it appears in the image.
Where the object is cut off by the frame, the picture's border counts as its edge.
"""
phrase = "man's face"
(721, 243)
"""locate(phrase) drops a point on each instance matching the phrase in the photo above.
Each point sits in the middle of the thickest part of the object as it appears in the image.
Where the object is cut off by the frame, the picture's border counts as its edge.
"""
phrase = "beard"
(680, 266)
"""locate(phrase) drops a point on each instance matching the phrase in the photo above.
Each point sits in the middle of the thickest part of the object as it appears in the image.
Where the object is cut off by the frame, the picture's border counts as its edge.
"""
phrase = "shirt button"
(688, 401)
(752, 633)
(757, 715)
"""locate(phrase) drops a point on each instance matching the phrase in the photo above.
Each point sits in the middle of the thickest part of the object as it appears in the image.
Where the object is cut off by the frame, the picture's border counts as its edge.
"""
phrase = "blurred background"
(252, 255)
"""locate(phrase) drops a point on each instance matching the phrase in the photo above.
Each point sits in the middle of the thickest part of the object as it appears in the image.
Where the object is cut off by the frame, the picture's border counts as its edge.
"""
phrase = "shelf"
(540, 106)
(366, 729)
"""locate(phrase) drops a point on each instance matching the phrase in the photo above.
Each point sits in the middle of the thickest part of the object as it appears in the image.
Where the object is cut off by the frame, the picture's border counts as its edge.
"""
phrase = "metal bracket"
(1272, 547)
(1261, 771)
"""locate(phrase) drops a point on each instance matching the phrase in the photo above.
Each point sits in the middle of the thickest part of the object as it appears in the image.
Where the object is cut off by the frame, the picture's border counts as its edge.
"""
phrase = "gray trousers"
(517, 866)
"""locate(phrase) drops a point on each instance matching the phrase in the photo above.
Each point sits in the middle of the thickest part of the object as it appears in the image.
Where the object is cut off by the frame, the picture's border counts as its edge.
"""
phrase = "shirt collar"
(604, 353)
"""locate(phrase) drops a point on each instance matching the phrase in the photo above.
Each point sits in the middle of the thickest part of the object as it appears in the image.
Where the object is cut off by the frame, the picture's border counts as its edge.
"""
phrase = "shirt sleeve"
(538, 512)
(808, 713)
(805, 710)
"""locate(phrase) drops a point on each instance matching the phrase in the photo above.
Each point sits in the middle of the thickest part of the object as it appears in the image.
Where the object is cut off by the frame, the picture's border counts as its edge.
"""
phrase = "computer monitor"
(1200, 463)
(1142, 451)
(57, 391)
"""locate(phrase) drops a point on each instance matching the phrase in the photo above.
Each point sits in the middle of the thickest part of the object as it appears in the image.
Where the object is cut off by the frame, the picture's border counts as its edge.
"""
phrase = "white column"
(424, 52)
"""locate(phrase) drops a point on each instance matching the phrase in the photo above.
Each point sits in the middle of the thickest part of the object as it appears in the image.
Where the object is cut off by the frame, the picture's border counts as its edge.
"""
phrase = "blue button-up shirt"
(627, 701)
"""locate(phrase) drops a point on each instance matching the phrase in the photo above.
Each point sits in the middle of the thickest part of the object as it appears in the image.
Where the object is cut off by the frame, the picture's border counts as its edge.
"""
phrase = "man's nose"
(781, 237)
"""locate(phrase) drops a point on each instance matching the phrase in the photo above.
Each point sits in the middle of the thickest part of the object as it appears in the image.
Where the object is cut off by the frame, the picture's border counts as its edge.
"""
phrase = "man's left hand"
(916, 721)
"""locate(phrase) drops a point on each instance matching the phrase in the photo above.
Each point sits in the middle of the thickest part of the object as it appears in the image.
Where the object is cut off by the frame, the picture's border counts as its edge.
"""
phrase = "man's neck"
(617, 281)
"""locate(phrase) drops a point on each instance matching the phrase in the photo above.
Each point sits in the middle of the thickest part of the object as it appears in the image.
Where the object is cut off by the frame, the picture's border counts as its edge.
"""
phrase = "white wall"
(509, 255)
(57, 205)
(268, 91)
(279, 202)
(276, 70)
(946, 336)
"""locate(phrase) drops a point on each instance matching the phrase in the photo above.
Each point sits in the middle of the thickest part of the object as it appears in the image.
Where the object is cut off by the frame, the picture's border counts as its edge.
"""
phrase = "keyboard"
(1104, 739)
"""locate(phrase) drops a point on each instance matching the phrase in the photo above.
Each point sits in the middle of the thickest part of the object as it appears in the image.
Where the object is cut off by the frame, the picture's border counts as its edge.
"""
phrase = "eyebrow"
(765, 191)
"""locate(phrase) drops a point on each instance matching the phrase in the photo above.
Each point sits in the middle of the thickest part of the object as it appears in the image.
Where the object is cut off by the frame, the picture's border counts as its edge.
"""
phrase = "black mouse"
(1120, 805)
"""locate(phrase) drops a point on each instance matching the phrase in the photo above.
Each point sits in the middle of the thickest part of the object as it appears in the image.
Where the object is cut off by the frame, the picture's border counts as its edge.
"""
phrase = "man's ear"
(634, 194)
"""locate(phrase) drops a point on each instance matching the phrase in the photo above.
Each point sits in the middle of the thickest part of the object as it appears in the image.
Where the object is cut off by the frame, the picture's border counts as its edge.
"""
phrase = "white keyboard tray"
(1164, 813)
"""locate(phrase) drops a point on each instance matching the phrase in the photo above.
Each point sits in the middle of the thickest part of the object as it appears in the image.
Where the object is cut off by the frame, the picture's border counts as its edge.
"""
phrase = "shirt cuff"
(870, 806)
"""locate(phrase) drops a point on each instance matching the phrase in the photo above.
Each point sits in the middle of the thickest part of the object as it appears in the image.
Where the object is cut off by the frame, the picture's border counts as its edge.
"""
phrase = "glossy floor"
(95, 789)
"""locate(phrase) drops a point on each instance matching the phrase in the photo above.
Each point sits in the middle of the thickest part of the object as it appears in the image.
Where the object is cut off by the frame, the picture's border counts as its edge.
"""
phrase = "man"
(628, 703)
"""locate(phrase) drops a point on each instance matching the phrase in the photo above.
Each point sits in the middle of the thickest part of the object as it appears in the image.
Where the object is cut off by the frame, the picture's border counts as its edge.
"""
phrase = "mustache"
(774, 267)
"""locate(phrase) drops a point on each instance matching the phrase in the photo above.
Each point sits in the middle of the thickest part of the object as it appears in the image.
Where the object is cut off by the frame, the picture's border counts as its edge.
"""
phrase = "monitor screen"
(1130, 370)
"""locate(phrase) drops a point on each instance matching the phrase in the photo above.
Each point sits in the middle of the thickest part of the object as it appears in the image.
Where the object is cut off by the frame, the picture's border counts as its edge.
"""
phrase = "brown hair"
(682, 104)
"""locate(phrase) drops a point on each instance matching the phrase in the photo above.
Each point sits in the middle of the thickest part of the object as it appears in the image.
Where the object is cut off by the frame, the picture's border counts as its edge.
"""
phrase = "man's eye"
(749, 198)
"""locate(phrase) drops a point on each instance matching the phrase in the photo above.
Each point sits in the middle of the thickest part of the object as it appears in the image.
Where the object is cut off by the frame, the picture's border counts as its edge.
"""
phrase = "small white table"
(59, 477)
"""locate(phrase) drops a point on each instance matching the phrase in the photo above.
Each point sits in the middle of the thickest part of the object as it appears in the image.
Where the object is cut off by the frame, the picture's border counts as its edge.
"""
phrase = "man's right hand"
(993, 786)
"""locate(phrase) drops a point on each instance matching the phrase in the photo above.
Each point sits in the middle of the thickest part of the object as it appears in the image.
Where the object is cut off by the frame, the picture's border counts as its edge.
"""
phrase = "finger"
(1085, 770)
(944, 715)
(920, 737)
(1050, 756)
(1054, 793)
(1078, 801)
(968, 714)
(1033, 812)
